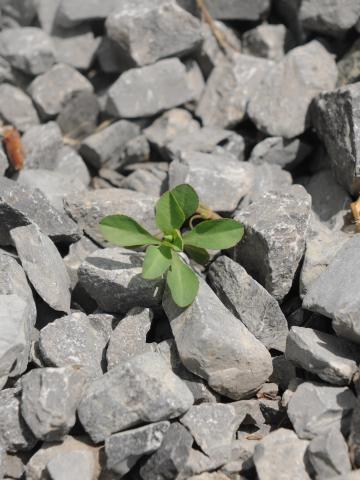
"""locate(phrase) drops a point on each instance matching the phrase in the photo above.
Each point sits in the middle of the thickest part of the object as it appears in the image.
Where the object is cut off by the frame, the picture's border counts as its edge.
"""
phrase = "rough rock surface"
(16, 107)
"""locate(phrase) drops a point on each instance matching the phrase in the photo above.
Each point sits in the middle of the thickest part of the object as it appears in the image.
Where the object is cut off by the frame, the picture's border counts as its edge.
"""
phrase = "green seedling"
(175, 210)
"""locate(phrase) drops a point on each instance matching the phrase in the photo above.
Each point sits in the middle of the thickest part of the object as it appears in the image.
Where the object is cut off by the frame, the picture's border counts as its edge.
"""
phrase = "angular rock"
(76, 48)
(279, 151)
(72, 466)
(28, 49)
(49, 400)
(276, 225)
(314, 409)
(312, 70)
(77, 253)
(124, 449)
(13, 466)
(335, 117)
(195, 80)
(266, 41)
(78, 116)
(160, 87)
(229, 88)
(74, 340)
(44, 266)
(153, 181)
(71, 164)
(332, 359)
(41, 145)
(250, 302)
(281, 453)
(73, 12)
(176, 33)
(16, 108)
(225, 354)
(335, 293)
(52, 90)
(233, 10)
(142, 389)
(46, 13)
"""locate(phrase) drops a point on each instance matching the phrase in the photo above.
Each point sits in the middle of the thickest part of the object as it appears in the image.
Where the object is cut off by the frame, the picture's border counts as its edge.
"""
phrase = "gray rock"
(106, 145)
(312, 70)
(229, 88)
(211, 173)
(49, 400)
(6, 72)
(13, 466)
(335, 116)
(176, 33)
(279, 151)
(88, 208)
(110, 57)
(124, 449)
(233, 10)
(112, 277)
(78, 116)
(72, 466)
(266, 41)
(225, 354)
(77, 253)
(44, 266)
(16, 108)
(348, 65)
(250, 302)
(152, 182)
(22, 13)
(41, 145)
(129, 337)
(137, 150)
(332, 359)
(46, 13)
(283, 372)
(314, 409)
(160, 87)
(69, 163)
(281, 453)
(335, 292)
(76, 47)
(14, 433)
(328, 455)
(333, 18)
(73, 12)
(28, 49)
(276, 225)
(73, 340)
(4, 163)
(140, 390)
(51, 90)
(195, 80)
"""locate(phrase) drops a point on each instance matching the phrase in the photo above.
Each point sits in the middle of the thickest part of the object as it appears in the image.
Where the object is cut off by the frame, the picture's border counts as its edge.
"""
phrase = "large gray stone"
(16, 108)
(335, 116)
(335, 293)
(312, 69)
(124, 449)
(75, 47)
(112, 277)
(250, 302)
(146, 91)
(276, 225)
(41, 145)
(140, 390)
(332, 359)
(234, 10)
(44, 266)
(49, 400)
(314, 409)
(176, 33)
(72, 466)
(229, 88)
(225, 354)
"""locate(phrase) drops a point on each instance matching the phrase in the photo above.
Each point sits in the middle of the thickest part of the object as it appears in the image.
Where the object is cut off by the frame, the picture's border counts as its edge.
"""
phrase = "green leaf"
(157, 260)
(169, 214)
(177, 241)
(126, 232)
(182, 281)
(187, 199)
(200, 255)
(215, 234)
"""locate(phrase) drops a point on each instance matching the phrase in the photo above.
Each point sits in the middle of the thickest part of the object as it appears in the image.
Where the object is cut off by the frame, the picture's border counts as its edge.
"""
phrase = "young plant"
(162, 256)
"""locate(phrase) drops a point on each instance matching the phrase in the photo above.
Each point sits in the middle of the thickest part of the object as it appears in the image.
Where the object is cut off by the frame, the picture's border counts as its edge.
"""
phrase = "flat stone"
(28, 49)
(79, 115)
(72, 466)
(233, 10)
(16, 108)
(73, 340)
(69, 163)
(335, 117)
(314, 409)
(312, 70)
(160, 87)
(49, 400)
(281, 453)
(73, 12)
(106, 145)
(276, 225)
(41, 145)
(332, 359)
(78, 251)
(124, 449)
(335, 293)
(266, 41)
(225, 354)
(328, 455)
(51, 90)
(210, 173)
(176, 33)
(229, 88)
(14, 433)
(75, 47)
(142, 389)
(44, 266)
(249, 302)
